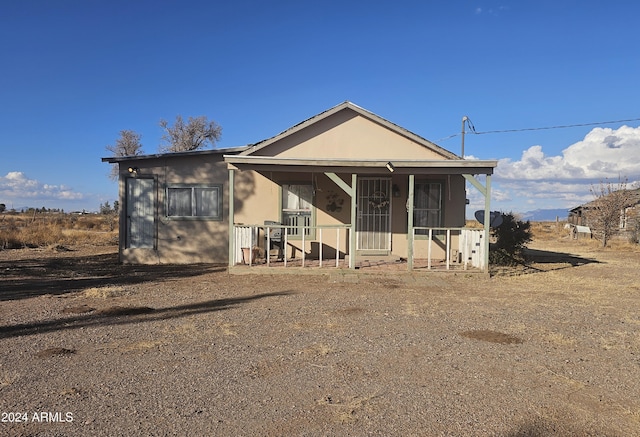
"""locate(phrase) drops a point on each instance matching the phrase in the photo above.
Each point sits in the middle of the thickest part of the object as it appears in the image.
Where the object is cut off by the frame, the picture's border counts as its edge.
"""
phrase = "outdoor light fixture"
(390, 167)
(134, 170)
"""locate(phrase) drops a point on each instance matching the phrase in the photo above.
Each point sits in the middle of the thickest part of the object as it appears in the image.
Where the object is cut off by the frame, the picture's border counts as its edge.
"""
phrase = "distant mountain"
(545, 215)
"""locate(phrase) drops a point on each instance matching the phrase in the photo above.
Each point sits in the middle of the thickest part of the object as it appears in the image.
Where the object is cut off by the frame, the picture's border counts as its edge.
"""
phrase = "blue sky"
(75, 73)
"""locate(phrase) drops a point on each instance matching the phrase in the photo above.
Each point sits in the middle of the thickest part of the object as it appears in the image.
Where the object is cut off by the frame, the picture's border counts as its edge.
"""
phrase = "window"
(427, 200)
(297, 208)
(194, 201)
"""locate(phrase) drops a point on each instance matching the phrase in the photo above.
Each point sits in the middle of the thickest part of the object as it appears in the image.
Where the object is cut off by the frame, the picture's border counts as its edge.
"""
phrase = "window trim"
(312, 232)
(436, 234)
(193, 187)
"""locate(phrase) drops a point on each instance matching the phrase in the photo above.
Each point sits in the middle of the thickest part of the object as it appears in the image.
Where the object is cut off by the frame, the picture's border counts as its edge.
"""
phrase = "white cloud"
(538, 181)
(603, 153)
(18, 188)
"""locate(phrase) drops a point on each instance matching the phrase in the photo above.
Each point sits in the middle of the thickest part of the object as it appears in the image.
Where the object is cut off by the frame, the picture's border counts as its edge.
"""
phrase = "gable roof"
(360, 111)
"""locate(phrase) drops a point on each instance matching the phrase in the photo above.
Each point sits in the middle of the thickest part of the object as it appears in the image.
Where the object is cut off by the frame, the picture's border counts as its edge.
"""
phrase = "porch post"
(352, 235)
(487, 221)
(410, 222)
(232, 239)
(486, 192)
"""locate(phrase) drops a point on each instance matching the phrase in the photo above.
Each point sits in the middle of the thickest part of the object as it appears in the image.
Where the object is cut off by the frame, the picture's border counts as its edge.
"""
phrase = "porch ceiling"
(417, 166)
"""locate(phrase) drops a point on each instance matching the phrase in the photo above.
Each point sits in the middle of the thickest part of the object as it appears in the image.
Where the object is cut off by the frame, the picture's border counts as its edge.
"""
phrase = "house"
(339, 187)
(629, 226)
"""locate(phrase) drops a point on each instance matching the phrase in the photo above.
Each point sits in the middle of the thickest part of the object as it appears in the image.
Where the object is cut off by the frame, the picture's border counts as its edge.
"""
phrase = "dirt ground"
(90, 347)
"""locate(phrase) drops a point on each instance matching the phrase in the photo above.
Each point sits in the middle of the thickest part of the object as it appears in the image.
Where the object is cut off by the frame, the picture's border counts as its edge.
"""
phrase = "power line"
(540, 128)
(555, 127)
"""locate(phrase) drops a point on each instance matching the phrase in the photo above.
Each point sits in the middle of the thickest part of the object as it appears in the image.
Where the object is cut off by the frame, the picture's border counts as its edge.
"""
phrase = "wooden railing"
(469, 247)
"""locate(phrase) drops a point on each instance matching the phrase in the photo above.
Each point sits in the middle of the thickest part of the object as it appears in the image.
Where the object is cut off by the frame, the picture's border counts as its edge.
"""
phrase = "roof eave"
(228, 150)
(442, 166)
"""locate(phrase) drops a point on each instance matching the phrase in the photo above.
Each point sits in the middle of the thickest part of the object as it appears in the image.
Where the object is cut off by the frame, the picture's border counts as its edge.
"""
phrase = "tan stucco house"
(339, 187)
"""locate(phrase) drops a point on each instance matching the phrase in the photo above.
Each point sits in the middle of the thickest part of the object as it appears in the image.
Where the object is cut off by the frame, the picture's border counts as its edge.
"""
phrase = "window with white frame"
(297, 208)
(194, 201)
(427, 210)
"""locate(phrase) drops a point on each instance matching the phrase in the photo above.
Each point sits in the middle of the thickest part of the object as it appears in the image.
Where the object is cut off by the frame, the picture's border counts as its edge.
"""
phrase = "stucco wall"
(179, 241)
(347, 135)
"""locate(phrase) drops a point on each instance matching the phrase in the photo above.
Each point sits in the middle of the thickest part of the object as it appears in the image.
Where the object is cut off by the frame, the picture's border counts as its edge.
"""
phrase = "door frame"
(150, 239)
(380, 246)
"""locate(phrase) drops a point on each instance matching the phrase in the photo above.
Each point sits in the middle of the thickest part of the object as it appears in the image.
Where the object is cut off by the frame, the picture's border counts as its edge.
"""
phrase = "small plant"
(511, 239)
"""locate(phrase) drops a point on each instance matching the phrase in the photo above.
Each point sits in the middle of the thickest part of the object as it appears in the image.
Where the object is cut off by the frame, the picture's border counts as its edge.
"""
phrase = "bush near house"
(511, 238)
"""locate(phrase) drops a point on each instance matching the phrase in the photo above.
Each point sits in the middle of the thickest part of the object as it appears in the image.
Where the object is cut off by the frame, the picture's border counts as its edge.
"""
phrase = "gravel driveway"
(93, 348)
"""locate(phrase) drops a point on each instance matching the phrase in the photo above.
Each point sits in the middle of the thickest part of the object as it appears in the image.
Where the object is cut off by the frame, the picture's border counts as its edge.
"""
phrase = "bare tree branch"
(606, 213)
(195, 134)
(128, 144)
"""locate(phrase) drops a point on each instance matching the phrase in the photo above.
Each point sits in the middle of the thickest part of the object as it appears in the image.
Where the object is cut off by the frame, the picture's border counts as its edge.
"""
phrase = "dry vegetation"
(555, 232)
(57, 230)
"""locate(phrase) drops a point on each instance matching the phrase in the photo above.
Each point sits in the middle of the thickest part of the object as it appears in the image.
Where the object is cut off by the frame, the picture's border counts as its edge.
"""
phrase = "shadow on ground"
(126, 315)
(560, 260)
(538, 261)
(21, 279)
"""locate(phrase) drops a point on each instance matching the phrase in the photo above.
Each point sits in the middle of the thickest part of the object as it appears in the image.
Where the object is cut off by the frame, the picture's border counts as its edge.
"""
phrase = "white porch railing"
(469, 248)
(259, 236)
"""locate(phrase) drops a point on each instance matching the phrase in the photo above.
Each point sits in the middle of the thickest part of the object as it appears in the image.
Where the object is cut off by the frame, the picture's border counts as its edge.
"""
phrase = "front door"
(140, 213)
(373, 228)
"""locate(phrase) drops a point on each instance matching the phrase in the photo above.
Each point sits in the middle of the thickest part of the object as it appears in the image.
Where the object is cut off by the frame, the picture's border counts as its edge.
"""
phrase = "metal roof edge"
(228, 150)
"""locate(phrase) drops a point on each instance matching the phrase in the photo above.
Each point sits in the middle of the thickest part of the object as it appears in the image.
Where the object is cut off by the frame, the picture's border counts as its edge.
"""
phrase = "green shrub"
(511, 239)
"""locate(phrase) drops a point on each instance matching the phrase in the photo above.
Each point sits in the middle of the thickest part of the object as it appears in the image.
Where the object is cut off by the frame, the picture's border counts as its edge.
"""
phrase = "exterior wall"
(258, 198)
(179, 241)
(331, 136)
(454, 196)
(576, 218)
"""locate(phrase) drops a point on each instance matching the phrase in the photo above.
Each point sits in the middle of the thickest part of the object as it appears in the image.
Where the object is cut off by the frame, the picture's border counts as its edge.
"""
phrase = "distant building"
(629, 218)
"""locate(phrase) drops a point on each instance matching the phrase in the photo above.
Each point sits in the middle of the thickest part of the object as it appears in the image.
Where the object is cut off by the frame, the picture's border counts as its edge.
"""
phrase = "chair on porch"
(275, 239)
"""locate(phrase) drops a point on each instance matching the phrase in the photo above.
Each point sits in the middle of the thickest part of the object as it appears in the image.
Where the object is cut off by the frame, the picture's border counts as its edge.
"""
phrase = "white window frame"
(298, 212)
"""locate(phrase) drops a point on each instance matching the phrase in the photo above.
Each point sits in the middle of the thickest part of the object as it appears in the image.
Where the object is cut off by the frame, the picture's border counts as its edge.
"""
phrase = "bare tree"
(605, 214)
(128, 144)
(192, 135)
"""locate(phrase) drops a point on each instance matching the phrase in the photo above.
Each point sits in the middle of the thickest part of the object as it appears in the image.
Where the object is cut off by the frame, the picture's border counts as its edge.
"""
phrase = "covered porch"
(357, 214)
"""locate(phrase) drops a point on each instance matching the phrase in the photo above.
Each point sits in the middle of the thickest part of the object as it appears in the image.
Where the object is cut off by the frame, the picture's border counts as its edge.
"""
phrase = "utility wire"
(555, 127)
(472, 128)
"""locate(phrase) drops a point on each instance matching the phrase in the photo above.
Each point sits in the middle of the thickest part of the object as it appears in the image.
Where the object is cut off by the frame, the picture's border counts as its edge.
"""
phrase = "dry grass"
(555, 231)
(105, 292)
(57, 229)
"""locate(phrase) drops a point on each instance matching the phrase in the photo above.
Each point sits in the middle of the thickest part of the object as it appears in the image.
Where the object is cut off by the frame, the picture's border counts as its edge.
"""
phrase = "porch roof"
(403, 166)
